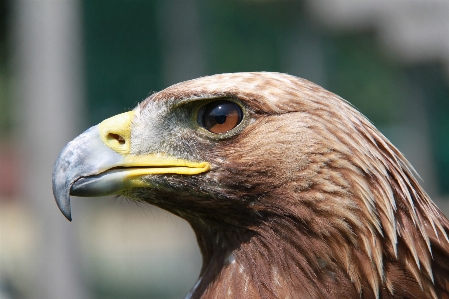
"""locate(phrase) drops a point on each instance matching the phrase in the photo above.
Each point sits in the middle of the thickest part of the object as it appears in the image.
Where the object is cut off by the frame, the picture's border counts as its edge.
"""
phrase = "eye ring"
(220, 116)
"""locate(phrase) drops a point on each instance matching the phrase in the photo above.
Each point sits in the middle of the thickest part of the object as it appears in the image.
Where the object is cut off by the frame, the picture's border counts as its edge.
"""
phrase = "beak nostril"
(117, 137)
(115, 132)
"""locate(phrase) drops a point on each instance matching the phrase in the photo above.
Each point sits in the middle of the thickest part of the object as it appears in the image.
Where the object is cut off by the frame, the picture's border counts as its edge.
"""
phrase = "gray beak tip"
(62, 197)
(67, 213)
(63, 203)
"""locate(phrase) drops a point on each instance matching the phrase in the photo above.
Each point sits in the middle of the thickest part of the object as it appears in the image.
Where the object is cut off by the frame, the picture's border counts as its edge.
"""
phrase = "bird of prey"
(291, 192)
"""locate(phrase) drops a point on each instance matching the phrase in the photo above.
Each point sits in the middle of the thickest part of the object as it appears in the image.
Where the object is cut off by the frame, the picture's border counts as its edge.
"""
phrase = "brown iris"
(220, 116)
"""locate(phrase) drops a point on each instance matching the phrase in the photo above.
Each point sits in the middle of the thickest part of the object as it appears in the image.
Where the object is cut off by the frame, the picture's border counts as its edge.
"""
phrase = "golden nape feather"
(292, 192)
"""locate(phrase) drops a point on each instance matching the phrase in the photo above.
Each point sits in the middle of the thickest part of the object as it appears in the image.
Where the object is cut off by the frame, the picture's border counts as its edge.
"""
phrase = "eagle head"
(292, 192)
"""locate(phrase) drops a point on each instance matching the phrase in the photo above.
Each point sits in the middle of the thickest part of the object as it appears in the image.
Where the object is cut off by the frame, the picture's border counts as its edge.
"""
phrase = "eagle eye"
(220, 116)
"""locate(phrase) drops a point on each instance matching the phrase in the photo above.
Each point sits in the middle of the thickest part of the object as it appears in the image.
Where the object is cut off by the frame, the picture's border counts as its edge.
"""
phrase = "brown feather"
(310, 200)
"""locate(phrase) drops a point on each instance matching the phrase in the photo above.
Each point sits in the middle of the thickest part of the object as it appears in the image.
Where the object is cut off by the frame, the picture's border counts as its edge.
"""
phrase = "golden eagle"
(291, 192)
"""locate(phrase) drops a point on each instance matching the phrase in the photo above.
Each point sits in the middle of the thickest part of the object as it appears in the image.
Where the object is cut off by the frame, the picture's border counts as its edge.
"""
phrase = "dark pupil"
(217, 112)
(220, 116)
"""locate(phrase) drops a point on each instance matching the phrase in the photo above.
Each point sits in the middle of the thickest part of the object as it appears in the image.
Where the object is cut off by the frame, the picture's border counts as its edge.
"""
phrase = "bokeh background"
(68, 64)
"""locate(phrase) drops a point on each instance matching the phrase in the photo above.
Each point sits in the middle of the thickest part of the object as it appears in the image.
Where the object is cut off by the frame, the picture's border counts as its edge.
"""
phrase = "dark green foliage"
(123, 59)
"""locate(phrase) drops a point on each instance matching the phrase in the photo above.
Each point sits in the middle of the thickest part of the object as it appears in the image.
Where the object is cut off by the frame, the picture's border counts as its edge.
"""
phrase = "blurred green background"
(66, 65)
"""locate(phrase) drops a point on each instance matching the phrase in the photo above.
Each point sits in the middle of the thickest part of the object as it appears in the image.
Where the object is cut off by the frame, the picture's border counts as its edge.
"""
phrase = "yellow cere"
(115, 132)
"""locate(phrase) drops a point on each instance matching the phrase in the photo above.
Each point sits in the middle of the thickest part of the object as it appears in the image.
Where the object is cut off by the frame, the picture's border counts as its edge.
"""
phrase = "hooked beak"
(98, 162)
